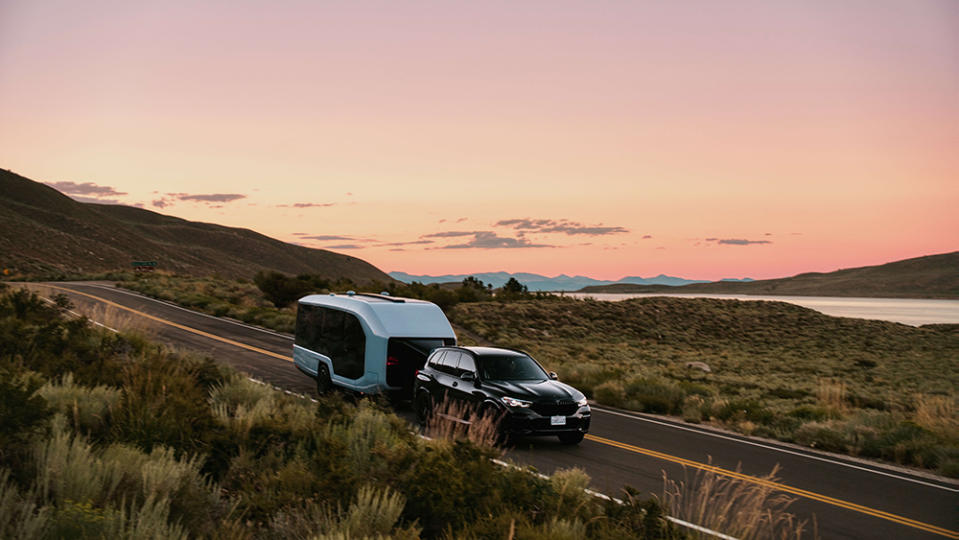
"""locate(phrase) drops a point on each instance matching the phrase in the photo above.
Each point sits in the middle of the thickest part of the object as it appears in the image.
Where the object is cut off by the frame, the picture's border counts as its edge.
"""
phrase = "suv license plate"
(557, 420)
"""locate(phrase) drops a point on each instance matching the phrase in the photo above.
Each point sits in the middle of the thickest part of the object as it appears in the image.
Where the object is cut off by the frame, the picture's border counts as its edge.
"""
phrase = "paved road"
(846, 498)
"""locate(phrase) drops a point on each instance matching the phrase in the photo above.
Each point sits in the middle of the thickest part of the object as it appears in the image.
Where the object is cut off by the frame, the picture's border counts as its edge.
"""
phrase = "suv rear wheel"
(424, 407)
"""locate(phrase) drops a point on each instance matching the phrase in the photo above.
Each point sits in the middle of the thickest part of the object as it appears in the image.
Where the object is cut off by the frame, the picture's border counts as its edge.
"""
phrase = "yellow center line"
(176, 325)
(636, 449)
(781, 487)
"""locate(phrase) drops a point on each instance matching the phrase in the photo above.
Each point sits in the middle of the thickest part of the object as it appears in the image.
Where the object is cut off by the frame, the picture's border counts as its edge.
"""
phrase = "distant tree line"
(283, 290)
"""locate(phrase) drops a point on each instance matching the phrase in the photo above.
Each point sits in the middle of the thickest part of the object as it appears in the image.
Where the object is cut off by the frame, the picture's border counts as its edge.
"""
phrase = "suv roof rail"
(466, 348)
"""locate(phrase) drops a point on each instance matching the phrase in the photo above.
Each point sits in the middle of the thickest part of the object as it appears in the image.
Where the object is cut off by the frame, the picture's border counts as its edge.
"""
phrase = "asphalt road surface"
(844, 497)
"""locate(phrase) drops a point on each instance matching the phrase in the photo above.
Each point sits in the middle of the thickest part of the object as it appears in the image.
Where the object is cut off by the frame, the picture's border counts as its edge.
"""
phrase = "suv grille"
(563, 407)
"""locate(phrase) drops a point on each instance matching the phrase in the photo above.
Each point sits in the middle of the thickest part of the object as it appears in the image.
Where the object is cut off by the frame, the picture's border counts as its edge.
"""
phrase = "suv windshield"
(510, 368)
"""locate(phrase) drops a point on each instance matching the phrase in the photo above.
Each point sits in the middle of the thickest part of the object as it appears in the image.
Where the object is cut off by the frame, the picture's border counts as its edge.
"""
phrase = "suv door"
(446, 377)
(465, 390)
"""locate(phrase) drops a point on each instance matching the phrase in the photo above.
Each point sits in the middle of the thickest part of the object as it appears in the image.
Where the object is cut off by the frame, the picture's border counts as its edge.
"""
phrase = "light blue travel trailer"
(367, 342)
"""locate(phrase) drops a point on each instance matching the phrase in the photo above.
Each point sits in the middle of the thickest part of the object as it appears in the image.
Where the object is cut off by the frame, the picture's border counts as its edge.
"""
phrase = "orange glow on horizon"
(819, 136)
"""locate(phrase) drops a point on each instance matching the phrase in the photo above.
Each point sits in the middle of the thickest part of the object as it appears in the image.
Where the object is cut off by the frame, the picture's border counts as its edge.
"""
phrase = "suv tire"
(572, 437)
(423, 405)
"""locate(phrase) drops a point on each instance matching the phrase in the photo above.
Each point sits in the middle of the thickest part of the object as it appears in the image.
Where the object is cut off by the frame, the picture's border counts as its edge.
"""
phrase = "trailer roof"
(387, 317)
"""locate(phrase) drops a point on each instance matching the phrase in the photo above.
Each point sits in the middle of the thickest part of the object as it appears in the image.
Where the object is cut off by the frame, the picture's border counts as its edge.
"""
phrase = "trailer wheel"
(323, 382)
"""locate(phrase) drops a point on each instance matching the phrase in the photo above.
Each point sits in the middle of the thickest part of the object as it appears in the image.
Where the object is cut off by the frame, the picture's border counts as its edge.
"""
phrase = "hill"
(48, 233)
(932, 276)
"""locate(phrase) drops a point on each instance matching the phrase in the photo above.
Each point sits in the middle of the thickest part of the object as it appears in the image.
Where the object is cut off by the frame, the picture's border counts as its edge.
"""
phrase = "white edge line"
(181, 308)
(608, 411)
(79, 316)
(783, 450)
(700, 529)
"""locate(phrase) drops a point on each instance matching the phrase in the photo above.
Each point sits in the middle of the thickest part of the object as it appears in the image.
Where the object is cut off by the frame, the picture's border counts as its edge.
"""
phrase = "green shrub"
(24, 415)
(88, 409)
(823, 435)
(610, 393)
(655, 396)
(738, 410)
(814, 412)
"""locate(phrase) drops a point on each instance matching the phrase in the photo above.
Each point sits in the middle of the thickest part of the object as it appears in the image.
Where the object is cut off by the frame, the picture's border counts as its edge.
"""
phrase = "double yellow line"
(780, 487)
(173, 324)
(601, 440)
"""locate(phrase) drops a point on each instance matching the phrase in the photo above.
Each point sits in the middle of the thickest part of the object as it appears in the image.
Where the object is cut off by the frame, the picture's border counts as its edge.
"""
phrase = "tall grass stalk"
(938, 414)
(453, 420)
(19, 516)
(745, 510)
(68, 469)
(831, 393)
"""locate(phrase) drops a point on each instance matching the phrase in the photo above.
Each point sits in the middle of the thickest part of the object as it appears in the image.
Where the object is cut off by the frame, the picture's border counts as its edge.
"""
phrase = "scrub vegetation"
(873, 389)
(867, 388)
(108, 435)
(268, 300)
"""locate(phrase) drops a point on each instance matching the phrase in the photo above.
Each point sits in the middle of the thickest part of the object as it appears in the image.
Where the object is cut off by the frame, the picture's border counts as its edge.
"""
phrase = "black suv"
(506, 383)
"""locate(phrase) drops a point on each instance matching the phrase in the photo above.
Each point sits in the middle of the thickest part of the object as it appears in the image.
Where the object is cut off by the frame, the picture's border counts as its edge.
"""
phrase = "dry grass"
(937, 414)
(745, 510)
(101, 314)
(453, 420)
(831, 393)
(119, 319)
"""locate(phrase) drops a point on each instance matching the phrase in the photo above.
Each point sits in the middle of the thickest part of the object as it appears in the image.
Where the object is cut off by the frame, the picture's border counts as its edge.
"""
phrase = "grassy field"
(867, 388)
(108, 435)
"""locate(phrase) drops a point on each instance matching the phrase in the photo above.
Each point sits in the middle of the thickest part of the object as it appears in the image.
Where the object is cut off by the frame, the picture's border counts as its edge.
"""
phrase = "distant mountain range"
(932, 276)
(46, 233)
(537, 282)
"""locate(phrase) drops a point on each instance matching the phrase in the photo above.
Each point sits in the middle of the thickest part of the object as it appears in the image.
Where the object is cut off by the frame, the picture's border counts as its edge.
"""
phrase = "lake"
(910, 311)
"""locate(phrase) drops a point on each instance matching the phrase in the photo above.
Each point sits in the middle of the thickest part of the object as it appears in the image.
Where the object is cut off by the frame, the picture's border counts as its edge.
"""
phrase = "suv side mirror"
(468, 376)
(553, 376)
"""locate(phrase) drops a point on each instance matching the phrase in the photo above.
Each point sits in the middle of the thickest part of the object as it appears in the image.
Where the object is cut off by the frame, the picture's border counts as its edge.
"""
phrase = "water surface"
(902, 310)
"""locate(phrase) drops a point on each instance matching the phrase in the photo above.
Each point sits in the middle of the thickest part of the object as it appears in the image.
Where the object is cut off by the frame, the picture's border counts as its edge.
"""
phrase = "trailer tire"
(323, 382)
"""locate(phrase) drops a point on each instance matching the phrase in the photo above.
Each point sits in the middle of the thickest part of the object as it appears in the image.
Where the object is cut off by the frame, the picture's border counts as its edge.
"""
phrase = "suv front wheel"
(572, 437)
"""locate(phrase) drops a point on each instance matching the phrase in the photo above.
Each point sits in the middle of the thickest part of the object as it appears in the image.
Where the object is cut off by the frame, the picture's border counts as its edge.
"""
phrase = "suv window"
(437, 359)
(450, 361)
(510, 368)
(467, 364)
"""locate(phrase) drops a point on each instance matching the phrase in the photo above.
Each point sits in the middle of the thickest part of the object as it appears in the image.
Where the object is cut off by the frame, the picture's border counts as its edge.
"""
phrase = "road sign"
(144, 266)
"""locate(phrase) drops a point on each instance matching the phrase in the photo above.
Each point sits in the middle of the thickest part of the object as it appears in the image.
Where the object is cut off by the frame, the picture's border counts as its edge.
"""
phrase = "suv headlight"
(513, 402)
(583, 402)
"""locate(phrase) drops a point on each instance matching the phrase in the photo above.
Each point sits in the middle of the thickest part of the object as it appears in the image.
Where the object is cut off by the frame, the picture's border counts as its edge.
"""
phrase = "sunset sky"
(698, 139)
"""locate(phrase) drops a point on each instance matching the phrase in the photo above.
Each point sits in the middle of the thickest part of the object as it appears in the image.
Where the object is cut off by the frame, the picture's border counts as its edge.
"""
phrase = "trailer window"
(335, 334)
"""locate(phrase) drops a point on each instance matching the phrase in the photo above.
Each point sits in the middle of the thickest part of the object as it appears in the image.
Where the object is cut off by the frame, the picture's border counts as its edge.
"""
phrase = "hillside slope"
(46, 232)
(932, 276)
